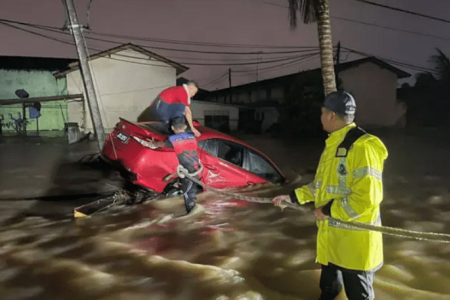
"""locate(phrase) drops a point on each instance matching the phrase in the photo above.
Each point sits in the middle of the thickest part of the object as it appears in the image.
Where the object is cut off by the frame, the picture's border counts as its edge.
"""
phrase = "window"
(258, 165)
(218, 122)
(210, 146)
(231, 152)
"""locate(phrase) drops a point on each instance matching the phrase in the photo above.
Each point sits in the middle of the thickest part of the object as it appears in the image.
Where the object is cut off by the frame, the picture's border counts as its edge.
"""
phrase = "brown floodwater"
(236, 249)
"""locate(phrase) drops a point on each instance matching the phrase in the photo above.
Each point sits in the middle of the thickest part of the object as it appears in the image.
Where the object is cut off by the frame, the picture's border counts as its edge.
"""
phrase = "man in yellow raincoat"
(348, 186)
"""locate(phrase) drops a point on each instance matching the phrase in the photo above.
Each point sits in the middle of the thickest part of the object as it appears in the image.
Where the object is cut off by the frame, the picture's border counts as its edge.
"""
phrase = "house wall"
(37, 84)
(375, 93)
(126, 84)
(202, 108)
(268, 116)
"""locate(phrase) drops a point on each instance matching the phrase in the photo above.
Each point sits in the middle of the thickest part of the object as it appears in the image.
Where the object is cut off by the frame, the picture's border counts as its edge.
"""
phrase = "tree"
(441, 66)
(318, 11)
(427, 101)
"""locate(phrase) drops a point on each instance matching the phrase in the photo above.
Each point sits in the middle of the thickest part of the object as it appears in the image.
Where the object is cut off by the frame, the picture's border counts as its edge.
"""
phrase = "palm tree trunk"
(326, 47)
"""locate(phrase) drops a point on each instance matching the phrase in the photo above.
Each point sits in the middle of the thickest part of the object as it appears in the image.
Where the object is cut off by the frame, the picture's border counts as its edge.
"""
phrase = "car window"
(258, 165)
(211, 146)
(231, 152)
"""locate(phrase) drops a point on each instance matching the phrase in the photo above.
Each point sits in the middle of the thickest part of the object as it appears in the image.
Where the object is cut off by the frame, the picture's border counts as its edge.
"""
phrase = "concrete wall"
(375, 93)
(126, 85)
(200, 108)
(37, 84)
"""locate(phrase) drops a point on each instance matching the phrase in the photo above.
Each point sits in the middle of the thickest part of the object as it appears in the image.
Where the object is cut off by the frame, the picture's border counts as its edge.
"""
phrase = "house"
(371, 81)
(35, 76)
(127, 79)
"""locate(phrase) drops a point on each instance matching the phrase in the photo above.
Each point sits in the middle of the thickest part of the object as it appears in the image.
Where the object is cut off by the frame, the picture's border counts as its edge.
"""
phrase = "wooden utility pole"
(77, 33)
(229, 81)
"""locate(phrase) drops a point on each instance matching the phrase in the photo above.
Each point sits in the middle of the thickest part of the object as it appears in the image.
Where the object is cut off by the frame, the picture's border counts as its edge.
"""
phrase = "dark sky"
(242, 22)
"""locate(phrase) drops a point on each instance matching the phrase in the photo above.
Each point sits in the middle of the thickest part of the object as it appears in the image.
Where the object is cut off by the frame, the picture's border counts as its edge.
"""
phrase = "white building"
(371, 81)
(127, 79)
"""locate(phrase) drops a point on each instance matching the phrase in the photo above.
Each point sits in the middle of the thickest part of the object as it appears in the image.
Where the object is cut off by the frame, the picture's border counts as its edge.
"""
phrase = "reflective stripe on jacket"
(354, 183)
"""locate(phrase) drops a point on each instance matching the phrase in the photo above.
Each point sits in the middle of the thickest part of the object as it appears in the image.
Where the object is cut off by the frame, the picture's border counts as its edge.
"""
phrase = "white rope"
(427, 236)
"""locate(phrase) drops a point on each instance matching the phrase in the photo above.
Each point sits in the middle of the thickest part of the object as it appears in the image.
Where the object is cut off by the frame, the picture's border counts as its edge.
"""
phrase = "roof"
(400, 73)
(281, 80)
(75, 65)
(29, 63)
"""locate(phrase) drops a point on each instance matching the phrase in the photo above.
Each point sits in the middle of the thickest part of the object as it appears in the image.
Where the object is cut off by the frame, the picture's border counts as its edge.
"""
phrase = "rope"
(425, 236)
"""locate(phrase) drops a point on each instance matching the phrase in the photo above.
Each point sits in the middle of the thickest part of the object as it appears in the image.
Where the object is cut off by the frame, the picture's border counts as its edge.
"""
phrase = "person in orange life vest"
(174, 102)
(185, 146)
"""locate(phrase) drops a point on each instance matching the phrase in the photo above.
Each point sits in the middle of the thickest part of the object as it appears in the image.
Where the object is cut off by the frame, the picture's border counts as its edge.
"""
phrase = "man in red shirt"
(173, 103)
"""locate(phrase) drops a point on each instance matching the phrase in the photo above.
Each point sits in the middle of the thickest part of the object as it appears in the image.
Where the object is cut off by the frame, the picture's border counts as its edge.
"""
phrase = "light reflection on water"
(236, 250)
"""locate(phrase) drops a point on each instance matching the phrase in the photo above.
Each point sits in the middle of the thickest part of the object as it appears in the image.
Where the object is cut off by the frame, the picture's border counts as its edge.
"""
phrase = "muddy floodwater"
(236, 249)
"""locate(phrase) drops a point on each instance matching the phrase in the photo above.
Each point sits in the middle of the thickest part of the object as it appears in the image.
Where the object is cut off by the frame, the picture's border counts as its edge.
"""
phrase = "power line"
(280, 65)
(216, 80)
(391, 28)
(366, 23)
(56, 29)
(186, 63)
(404, 11)
(191, 43)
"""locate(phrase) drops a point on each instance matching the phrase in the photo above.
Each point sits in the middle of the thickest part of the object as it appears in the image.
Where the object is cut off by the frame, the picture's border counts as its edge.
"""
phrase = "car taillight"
(144, 142)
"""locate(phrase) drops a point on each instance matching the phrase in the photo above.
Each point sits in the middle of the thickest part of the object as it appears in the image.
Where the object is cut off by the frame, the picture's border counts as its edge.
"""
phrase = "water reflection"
(236, 250)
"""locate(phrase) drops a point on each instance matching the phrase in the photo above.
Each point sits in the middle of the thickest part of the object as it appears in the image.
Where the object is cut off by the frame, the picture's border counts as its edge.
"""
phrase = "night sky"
(238, 22)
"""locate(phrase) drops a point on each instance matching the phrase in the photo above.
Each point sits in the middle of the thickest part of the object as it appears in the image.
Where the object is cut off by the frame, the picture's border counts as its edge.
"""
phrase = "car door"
(222, 161)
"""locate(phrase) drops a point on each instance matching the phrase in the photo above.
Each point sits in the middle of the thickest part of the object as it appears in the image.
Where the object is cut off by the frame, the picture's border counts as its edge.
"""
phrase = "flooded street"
(236, 250)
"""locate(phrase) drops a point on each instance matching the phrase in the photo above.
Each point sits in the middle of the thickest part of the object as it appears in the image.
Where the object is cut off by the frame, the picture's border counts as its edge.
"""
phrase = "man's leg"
(189, 193)
(359, 285)
(162, 127)
(175, 110)
(330, 282)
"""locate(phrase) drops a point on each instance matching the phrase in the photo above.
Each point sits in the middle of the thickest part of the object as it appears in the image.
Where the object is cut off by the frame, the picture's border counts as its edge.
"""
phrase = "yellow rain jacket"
(354, 185)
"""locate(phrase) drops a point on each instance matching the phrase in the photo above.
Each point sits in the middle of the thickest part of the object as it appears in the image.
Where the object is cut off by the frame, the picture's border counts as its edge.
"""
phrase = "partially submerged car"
(227, 162)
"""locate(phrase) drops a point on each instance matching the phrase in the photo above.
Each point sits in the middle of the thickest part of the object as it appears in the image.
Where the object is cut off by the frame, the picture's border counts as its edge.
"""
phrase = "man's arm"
(188, 114)
(299, 196)
(367, 185)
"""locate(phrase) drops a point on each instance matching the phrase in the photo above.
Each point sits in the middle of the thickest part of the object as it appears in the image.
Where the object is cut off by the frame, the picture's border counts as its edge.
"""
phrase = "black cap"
(340, 102)
(181, 120)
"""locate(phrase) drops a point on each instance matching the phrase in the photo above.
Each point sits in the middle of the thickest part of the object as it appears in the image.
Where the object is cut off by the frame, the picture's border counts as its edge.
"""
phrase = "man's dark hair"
(194, 83)
(346, 118)
(178, 123)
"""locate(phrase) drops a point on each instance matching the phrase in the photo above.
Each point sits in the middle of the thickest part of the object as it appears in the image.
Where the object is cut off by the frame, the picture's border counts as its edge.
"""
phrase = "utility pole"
(76, 30)
(229, 80)
(257, 64)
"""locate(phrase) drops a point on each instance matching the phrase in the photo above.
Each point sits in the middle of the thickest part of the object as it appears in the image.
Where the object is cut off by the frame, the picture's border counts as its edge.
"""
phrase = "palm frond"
(441, 65)
(308, 10)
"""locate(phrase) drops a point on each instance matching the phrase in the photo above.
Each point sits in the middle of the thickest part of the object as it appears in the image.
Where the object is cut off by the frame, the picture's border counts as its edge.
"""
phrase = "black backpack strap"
(351, 137)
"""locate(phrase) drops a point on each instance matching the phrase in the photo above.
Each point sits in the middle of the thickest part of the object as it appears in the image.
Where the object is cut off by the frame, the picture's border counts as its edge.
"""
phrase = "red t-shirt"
(176, 94)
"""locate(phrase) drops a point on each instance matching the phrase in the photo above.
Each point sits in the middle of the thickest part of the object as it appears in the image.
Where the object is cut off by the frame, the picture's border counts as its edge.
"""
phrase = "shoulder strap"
(351, 137)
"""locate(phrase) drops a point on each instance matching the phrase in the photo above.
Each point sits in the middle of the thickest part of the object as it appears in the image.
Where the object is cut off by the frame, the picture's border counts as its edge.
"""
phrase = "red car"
(228, 162)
